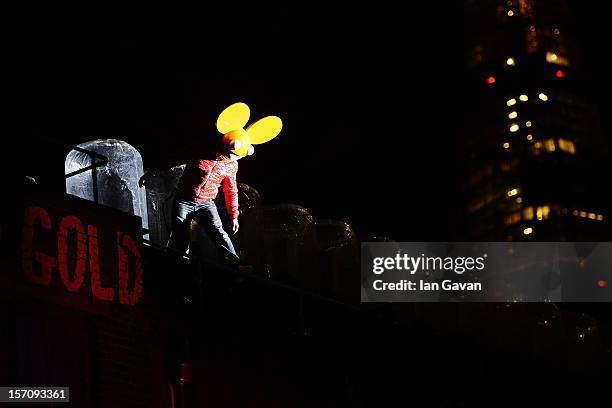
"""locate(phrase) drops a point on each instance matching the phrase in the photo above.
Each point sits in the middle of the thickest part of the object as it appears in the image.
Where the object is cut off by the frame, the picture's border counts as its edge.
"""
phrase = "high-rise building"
(532, 142)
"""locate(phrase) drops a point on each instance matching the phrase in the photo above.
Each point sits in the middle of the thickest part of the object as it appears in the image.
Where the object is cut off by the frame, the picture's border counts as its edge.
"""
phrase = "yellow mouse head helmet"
(231, 124)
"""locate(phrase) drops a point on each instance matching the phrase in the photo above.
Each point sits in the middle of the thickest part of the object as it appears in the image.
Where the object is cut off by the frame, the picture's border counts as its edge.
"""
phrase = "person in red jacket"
(197, 189)
(202, 178)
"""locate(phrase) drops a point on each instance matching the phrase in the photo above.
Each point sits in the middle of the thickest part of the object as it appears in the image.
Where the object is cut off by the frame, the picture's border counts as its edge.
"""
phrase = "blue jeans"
(207, 217)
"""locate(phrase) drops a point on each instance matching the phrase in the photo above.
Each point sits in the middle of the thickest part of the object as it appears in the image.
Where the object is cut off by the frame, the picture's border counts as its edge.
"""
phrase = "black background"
(371, 97)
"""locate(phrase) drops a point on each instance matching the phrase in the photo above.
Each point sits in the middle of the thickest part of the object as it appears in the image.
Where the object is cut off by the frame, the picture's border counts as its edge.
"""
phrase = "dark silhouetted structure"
(532, 141)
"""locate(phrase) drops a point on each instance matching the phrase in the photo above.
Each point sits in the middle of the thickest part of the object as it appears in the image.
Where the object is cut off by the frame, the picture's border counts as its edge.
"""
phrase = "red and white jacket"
(201, 181)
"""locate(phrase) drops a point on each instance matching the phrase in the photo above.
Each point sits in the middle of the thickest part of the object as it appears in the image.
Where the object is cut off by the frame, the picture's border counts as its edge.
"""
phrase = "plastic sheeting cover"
(160, 188)
(117, 180)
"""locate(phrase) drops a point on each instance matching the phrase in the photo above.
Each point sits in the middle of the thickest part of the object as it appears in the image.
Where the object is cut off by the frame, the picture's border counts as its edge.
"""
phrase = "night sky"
(371, 99)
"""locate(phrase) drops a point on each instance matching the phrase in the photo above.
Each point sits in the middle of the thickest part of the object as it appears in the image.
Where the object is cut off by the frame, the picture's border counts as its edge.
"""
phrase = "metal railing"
(94, 157)
(302, 295)
(98, 160)
(94, 174)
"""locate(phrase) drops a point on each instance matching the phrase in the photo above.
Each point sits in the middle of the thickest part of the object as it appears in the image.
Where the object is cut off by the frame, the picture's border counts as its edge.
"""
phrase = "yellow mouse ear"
(233, 117)
(265, 129)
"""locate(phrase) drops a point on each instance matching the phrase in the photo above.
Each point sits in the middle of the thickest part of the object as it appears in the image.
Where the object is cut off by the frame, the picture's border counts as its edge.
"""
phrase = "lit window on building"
(554, 58)
(532, 40)
(511, 102)
(473, 207)
(567, 146)
(587, 214)
(542, 212)
(525, 7)
(512, 219)
(550, 145)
